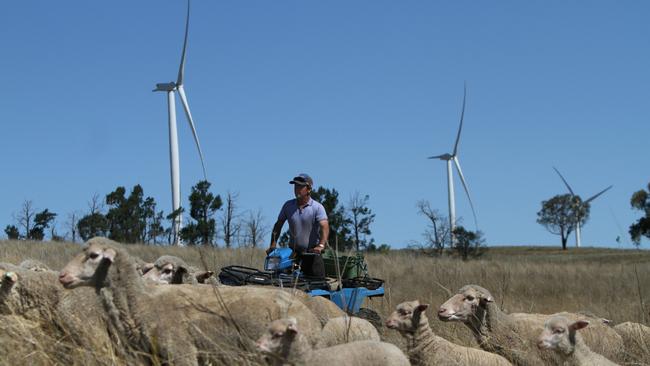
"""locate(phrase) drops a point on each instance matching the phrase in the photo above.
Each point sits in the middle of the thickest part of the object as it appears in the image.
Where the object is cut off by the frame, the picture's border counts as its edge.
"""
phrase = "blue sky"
(355, 93)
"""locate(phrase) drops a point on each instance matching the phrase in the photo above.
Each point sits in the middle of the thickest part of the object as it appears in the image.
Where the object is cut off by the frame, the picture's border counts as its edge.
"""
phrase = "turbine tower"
(450, 178)
(578, 231)
(171, 88)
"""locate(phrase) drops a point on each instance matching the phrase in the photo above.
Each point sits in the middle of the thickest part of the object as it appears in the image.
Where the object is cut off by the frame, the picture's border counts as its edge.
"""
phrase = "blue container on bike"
(278, 260)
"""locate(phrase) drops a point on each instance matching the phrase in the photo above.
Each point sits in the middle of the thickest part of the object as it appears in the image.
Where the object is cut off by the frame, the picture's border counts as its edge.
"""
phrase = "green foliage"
(360, 217)
(12, 232)
(641, 201)
(128, 217)
(203, 207)
(93, 224)
(338, 222)
(468, 243)
(560, 214)
(382, 249)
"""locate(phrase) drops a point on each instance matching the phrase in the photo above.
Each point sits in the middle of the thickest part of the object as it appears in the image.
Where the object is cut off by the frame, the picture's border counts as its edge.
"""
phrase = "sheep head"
(278, 337)
(168, 269)
(89, 268)
(7, 281)
(464, 305)
(407, 316)
(559, 334)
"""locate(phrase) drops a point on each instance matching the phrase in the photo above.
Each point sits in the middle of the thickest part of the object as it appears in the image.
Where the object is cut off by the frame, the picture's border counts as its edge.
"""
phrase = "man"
(308, 227)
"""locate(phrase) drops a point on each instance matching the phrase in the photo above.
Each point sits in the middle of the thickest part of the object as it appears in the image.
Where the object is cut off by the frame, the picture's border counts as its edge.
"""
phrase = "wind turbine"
(578, 232)
(450, 179)
(171, 88)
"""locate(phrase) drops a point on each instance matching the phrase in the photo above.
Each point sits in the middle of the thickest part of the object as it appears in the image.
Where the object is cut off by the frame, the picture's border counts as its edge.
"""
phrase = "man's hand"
(319, 248)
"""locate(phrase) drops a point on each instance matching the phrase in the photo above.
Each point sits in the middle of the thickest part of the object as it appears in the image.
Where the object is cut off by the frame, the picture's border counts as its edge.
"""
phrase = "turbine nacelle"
(166, 87)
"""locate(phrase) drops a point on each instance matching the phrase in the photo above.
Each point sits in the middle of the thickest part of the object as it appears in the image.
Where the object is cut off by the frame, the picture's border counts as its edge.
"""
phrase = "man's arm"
(275, 234)
(324, 234)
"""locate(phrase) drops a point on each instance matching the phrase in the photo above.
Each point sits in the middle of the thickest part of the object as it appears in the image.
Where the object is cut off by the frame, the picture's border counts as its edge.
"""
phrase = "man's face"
(301, 191)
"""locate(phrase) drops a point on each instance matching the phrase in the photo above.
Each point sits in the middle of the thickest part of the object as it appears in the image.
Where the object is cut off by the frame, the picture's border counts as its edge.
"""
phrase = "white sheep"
(169, 269)
(34, 265)
(515, 337)
(346, 329)
(637, 341)
(283, 343)
(73, 319)
(561, 336)
(181, 324)
(424, 348)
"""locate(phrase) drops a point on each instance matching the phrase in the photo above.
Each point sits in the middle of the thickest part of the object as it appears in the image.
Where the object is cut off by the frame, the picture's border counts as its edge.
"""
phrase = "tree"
(71, 224)
(436, 236)
(94, 223)
(560, 214)
(641, 201)
(254, 229)
(42, 221)
(169, 232)
(203, 207)
(127, 217)
(338, 222)
(468, 243)
(25, 217)
(229, 222)
(360, 218)
(382, 249)
(12, 232)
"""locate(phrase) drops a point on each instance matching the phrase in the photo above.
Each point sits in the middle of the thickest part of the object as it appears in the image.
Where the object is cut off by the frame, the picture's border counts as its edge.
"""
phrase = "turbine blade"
(462, 180)
(437, 157)
(462, 115)
(597, 194)
(181, 69)
(565, 182)
(186, 107)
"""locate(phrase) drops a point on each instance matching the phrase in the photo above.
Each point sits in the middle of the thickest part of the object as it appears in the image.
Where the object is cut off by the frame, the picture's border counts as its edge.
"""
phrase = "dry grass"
(614, 284)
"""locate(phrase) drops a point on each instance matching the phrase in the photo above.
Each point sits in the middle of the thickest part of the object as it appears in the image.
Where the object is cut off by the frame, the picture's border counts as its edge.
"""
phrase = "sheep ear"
(109, 254)
(11, 277)
(422, 307)
(292, 327)
(487, 298)
(146, 267)
(202, 276)
(578, 324)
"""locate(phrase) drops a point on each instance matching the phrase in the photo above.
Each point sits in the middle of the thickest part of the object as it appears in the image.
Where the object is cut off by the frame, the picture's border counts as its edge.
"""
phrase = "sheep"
(425, 348)
(514, 337)
(169, 269)
(34, 265)
(181, 324)
(73, 320)
(637, 341)
(560, 335)
(324, 309)
(285, 344)
(346, 329)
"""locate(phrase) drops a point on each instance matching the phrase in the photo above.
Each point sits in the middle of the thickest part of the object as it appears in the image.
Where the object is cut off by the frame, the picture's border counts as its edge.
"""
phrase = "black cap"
(302, 180)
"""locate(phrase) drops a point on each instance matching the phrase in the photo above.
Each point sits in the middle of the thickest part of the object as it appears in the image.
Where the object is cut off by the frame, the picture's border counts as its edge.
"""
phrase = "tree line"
(135, 218)
(132, 217)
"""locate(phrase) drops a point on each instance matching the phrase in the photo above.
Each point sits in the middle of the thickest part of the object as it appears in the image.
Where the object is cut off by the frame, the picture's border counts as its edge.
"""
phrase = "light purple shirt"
(303, 222)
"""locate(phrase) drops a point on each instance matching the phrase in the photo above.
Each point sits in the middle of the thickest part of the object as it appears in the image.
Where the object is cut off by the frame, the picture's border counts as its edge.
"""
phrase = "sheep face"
(8, 280)
(279, 334)
(86, 267)
(464, 305)
(559, 334)
(406, 317)
(167, 273)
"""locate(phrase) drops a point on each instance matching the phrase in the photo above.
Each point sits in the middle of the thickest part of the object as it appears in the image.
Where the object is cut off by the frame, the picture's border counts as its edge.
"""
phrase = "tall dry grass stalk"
(606, 282)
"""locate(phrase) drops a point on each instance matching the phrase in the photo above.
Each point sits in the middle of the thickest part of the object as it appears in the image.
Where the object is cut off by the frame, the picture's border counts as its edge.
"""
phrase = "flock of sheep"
(115, 309)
